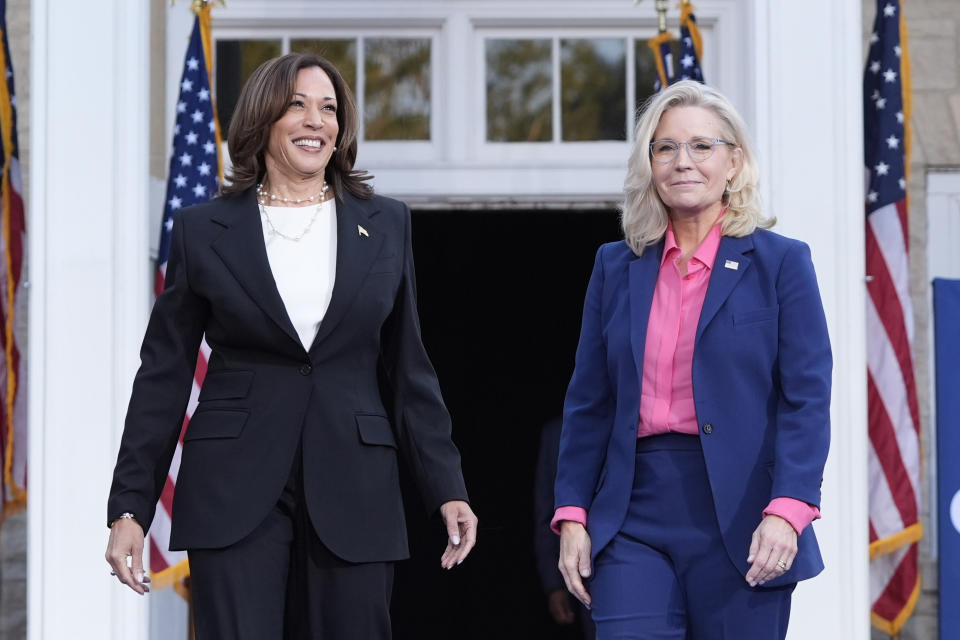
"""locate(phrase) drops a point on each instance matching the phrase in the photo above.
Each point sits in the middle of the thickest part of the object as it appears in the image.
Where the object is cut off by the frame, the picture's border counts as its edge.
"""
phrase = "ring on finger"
(782, 564)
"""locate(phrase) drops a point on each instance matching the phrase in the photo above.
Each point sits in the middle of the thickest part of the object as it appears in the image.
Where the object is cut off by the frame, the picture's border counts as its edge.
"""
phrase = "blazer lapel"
(728, 268)
(356, 251)
(242, 249)
(643, 281)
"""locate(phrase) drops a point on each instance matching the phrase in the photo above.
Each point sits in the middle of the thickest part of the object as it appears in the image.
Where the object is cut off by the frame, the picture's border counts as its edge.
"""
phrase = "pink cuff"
(574, 514)
(798, 513)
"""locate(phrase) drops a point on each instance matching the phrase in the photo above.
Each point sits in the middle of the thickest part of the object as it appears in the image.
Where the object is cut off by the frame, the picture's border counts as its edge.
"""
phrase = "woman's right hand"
(575, 559)
(126, 541)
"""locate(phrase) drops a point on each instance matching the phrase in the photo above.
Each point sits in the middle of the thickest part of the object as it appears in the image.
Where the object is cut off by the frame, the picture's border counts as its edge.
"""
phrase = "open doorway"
(500, 295)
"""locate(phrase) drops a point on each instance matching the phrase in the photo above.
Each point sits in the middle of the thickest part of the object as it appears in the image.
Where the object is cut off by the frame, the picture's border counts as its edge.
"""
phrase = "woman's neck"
(689, 231)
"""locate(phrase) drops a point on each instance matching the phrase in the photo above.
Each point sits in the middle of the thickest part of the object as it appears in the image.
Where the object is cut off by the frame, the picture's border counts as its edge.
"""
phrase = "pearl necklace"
(262, 195)
(273, 229)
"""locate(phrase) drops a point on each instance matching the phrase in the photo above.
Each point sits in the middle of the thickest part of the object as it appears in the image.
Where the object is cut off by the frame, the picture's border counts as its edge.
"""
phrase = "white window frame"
(412, 150)
(556, 152)
(458, 164)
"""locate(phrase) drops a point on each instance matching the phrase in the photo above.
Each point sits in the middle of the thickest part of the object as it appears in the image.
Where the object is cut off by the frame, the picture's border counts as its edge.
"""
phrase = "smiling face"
(689, 188)
(302, 140)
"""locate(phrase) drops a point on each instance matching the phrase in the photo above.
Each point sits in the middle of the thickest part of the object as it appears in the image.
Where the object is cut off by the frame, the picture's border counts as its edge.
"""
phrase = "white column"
(90, 288)
(807, 108)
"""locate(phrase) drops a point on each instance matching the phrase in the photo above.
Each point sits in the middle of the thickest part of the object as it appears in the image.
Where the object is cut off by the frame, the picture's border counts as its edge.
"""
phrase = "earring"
(334, 148)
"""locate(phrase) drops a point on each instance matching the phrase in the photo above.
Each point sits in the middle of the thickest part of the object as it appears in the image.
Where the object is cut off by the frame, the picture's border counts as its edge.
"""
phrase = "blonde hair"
(643, 214)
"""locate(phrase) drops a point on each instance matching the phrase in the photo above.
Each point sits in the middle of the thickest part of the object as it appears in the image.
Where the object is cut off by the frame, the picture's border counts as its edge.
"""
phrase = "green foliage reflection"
(519, 91)
(397, 86)
(593, 89)
(342, 53)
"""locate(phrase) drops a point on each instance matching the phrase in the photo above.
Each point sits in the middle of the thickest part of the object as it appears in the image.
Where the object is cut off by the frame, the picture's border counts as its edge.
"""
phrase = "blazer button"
(707, 428)
(305, 370)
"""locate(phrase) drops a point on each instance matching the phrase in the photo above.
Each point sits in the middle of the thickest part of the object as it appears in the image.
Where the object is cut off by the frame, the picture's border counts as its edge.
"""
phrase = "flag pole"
(660, 45)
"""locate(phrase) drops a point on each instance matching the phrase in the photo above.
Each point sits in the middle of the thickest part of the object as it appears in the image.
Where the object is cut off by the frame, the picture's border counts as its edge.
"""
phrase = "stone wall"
(13, 535)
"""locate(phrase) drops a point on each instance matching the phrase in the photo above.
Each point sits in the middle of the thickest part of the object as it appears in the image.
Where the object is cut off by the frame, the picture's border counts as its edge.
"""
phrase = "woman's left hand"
(461, 526)
(772, 550)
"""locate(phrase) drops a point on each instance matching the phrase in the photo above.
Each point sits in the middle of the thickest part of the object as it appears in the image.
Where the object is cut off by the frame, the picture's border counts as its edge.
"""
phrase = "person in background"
(696, 424)
(564, 609)
(302, 281)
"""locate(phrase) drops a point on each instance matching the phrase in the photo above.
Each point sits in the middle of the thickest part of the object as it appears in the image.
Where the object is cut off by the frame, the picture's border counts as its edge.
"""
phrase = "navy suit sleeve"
(589, 407)
(423, 422)
(161, 390)
(804, 367)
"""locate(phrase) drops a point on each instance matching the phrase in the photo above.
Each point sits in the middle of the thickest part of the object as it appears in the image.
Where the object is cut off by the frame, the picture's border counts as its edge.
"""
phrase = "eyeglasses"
(699, 148)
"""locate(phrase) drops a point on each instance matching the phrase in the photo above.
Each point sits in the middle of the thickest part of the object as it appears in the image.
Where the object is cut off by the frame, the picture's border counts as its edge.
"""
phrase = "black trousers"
(282, 582)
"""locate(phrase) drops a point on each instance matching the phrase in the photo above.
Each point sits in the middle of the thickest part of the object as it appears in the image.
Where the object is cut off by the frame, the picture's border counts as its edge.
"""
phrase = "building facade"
(479, 164)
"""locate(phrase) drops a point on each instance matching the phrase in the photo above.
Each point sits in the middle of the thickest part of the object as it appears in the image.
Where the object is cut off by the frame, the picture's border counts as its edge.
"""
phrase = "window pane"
(519, 91)
(397, 88)
(593, 89)
(342, 53)
(235, 61)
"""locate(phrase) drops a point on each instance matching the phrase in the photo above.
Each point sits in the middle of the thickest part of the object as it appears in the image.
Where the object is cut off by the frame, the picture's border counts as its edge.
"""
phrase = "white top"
(304, 270)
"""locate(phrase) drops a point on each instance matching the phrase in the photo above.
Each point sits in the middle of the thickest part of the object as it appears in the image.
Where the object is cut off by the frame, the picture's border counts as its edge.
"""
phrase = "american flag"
(691, 51)
(13, 231)
(691, 45)
(893, 414)
(193, 178)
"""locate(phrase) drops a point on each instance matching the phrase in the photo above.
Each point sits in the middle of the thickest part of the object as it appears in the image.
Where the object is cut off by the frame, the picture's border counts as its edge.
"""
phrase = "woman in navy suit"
(696, 423)
(302, 282)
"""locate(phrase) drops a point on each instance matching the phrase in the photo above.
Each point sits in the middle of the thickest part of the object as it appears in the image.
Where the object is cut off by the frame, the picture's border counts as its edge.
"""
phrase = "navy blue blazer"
(761, 385)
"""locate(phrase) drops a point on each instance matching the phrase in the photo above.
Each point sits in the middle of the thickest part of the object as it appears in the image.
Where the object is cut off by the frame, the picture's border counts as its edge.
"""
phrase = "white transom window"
(479, 100)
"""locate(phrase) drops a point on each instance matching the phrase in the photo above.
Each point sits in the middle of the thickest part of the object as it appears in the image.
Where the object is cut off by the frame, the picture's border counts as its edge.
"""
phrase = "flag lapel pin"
(731, 264)
(362, 231)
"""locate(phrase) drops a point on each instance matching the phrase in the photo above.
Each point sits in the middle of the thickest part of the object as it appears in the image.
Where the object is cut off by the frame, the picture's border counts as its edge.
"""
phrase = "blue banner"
(946, 310)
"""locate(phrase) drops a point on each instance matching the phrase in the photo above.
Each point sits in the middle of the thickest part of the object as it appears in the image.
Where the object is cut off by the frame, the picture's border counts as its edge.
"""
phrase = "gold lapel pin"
(362, 231)
(731, 264)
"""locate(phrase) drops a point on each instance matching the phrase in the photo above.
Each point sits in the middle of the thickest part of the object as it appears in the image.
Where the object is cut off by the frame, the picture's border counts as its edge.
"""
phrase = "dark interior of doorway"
(500, 295)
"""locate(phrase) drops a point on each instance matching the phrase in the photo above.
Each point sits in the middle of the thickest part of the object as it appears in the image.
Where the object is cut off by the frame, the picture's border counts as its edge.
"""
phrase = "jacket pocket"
(226, 385)
(375, 430)
(388, 264)
(755, 316)
(215, 423)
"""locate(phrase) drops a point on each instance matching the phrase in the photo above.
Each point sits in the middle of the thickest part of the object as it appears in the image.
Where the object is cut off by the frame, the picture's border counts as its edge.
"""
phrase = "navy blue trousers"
(667, 575)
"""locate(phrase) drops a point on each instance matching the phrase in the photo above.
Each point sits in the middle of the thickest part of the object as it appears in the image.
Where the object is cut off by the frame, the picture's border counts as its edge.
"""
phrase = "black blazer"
(364, 391)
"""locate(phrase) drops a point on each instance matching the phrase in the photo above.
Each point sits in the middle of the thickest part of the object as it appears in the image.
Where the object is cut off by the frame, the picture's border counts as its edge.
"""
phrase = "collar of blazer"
(643, 280)
(241, 247)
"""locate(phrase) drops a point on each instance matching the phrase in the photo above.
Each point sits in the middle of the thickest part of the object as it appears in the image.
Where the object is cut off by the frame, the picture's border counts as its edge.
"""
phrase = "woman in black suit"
(302, 281)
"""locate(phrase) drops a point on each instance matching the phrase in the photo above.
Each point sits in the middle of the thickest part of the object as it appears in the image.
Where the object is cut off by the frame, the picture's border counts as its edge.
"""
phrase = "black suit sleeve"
(161, 390)
(422, 420)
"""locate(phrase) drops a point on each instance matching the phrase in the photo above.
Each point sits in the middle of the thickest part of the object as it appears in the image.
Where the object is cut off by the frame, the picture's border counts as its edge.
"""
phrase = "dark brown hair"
(264, 99)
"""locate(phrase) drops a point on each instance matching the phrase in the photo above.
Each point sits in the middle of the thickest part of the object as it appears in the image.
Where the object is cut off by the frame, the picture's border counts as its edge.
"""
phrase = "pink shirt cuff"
(575, 514)
(798, 513)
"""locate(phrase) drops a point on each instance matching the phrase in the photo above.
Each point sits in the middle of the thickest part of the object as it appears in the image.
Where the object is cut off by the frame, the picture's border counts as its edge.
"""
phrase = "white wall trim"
(90, 285)
(807, 120)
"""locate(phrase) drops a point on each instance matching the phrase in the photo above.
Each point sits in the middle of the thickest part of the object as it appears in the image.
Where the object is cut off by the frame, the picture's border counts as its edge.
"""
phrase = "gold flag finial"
(197, 5)
(661, 7)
